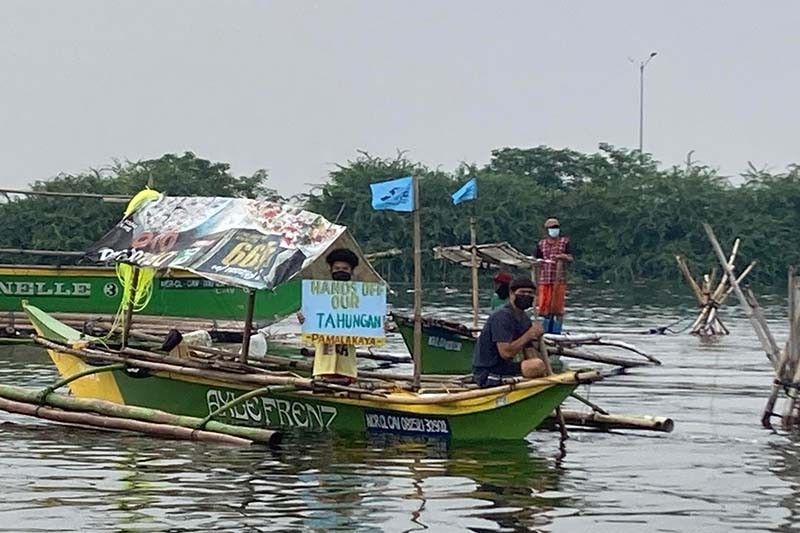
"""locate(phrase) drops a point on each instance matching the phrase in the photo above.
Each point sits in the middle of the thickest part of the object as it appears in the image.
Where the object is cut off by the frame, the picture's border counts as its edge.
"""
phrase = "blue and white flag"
(393, 195)
(468, 192)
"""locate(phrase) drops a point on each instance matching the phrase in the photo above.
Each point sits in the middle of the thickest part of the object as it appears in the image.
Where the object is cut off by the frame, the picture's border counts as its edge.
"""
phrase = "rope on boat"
(141, 293)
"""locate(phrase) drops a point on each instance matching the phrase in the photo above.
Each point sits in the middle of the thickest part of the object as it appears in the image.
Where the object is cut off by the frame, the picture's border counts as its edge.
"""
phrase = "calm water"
(718, 471)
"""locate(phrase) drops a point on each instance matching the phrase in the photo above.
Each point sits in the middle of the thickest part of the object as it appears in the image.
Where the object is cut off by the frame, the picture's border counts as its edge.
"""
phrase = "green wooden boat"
(96, 291)
(506, 412)
(447, 347)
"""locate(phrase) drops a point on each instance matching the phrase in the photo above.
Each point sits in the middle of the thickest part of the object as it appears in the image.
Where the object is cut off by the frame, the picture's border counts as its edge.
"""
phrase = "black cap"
(521, 283)
(344, 255)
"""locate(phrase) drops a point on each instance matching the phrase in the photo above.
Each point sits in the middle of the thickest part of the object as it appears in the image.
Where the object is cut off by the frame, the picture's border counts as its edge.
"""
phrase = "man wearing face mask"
(500, 295)
(508, 332)
(554, 254)
(336, 362)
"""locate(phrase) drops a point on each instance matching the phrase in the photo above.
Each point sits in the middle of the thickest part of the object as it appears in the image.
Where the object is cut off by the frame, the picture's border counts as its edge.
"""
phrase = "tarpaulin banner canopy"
(255, 244)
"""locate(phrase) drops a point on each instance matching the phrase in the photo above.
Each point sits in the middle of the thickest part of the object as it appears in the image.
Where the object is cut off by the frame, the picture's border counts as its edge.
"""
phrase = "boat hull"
(445, 351)
(97, 291)
(505, 415)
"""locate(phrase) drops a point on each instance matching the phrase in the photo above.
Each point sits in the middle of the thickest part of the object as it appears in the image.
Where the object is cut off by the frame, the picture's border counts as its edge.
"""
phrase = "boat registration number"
(447, 344)
(388, 422)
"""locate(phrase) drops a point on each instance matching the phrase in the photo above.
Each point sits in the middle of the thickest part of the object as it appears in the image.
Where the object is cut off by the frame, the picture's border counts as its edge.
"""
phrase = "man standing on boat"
(552, 254)
(336, 362)
(500, 295)
(508, 332)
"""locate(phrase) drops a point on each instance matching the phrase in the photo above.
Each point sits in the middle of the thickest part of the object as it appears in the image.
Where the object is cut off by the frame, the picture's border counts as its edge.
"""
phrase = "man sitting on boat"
(508, 332)
(500, 296)
(336, 362)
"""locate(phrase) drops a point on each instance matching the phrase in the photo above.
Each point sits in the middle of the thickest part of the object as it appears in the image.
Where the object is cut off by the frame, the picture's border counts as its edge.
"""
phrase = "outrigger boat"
(257, 246)
(442, 408)
(448, 346)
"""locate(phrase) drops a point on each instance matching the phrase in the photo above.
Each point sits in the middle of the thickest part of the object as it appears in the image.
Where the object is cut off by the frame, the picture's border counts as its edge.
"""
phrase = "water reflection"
(719, 471)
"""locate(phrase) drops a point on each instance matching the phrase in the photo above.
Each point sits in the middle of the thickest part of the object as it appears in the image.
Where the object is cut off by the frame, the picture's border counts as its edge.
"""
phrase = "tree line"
(627, 215)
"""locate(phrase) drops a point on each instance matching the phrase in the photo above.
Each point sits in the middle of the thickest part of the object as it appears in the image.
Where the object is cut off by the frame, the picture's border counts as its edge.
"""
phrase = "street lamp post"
(642, 64)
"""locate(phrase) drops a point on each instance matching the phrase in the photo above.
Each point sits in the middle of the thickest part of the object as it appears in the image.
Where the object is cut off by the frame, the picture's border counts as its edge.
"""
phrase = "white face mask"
(553, 232)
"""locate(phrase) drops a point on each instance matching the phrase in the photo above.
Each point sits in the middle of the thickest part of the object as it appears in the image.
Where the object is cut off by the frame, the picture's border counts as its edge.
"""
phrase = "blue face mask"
(553, 232)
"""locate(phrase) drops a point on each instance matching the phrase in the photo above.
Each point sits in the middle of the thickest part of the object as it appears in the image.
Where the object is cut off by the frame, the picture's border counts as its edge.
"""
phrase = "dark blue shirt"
(504, 325)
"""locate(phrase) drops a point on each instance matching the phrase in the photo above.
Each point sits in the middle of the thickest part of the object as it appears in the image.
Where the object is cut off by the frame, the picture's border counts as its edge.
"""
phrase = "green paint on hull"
(97, 291)
(447, 352)
(307, 413)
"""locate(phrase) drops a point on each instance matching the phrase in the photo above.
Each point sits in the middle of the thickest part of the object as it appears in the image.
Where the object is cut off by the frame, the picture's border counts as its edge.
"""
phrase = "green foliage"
(627, 217)
(48, 223)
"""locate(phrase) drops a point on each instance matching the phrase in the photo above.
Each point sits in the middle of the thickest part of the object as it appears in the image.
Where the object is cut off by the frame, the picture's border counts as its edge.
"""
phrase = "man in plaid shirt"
(553, 254)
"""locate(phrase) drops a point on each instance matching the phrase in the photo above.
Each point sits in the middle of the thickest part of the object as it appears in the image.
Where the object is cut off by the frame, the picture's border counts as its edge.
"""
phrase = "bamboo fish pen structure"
(711, 294)
(785, 362)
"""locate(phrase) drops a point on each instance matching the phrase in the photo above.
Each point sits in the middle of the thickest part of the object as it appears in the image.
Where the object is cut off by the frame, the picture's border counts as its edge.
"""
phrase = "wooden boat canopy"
(490, 255)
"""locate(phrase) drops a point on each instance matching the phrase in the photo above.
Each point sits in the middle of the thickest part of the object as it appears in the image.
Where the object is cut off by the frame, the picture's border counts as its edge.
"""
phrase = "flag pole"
(473, 240)
(417, 348)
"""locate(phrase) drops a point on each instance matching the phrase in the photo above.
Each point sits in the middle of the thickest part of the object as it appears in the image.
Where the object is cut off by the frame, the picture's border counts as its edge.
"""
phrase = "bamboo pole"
(792, 373)
(111, 198)
(474, 264)
(103, 407)
(579, 377)
(248, 325)
(684, 268)
(308, 385)
(586, 402)
(417, 348)
(226, 376)
(767, 341)
(543, 349)
(609, 421)
(58, 253)
(739, 280)
(759, 314)
(598, 358)
(123, 424)
(392, 252)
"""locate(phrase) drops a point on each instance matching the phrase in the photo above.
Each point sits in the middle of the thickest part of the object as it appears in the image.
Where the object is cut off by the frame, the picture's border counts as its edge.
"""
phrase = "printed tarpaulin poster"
(344, 312)
(256, 244)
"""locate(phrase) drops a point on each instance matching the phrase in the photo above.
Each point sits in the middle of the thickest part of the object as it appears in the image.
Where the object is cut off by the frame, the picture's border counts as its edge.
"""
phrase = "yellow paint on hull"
(102, 386)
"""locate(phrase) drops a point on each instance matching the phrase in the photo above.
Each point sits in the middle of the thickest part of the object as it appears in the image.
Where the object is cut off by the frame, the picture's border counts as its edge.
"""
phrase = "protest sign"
(344, 312)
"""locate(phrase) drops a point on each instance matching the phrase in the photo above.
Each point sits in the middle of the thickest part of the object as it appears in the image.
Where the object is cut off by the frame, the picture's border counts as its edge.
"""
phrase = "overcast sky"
(296, 86)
